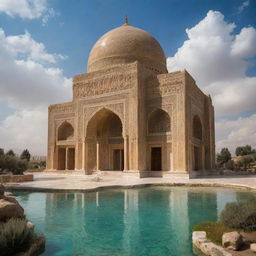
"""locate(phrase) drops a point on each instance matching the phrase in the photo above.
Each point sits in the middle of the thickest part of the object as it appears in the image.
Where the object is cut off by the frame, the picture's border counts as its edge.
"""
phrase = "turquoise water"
(147, 221)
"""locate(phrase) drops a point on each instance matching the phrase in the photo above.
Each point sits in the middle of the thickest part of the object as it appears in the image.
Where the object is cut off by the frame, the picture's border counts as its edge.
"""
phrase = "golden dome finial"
(126, 20)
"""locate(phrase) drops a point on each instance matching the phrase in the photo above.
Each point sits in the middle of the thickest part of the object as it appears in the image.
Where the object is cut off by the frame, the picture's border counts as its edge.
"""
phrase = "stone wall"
(16, 178)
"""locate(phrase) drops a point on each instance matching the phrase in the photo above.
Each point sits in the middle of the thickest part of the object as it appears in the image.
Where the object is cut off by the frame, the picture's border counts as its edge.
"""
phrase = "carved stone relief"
(62, 108)
(107, 84)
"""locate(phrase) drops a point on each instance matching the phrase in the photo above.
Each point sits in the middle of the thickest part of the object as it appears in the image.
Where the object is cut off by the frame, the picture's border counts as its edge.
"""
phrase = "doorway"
(118, 159)
(61, 159)
(197, 158)
(156, 159)
(71, 159)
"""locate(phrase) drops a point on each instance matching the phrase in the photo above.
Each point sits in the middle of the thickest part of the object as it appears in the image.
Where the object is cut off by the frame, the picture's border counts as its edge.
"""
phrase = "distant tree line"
(12, 163)
(245, 159)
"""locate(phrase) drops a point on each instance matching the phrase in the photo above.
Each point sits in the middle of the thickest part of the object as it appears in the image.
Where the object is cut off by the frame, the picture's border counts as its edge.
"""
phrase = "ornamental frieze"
(64, 115)
(111, 83)
(163, 85)
(62, 108)
(166, 89)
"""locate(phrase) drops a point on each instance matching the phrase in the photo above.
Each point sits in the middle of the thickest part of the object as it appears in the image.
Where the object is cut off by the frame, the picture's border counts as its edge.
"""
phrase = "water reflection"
(150, 221)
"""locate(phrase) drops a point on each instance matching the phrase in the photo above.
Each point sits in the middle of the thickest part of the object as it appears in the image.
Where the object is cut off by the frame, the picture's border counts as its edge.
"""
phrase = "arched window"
(159, 122)
(197, 128)
(65, 131)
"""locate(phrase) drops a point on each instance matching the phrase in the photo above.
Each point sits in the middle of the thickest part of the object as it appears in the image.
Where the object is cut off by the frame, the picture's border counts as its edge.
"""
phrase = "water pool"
(146, 221)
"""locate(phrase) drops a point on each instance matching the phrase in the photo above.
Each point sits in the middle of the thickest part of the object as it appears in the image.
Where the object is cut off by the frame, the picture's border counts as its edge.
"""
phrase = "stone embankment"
(232, 242)
(207, 247)
(11, 209)
(16, 178)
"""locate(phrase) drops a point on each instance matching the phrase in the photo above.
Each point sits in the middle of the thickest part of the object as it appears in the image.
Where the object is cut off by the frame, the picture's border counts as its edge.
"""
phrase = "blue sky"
(68, 29)
(78, 24)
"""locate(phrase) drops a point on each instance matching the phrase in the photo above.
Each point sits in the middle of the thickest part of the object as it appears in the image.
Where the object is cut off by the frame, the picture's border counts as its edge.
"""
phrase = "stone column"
(203, 157)
(97, 155)
(171, 162)
(66, 162)
(126, 153)
(54, 159)
(83, 155)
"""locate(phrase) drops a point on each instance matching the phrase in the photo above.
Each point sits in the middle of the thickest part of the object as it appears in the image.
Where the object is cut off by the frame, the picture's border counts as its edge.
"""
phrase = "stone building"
(129, 114)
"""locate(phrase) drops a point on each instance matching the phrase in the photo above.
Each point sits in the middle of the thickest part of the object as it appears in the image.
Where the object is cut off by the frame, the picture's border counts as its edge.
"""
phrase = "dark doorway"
(118, 159)
(156, 159)
(61, 159)
(197, 158)
(71, 159)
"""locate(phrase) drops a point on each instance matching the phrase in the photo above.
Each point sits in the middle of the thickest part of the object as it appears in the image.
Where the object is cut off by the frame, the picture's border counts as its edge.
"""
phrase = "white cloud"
(49, 14)
(27, 9)
(245, 4)
(26, 83)
(28, 86)
(234, 133)
(26, 46)
(218, 60)
(244, 45)
(25, 129)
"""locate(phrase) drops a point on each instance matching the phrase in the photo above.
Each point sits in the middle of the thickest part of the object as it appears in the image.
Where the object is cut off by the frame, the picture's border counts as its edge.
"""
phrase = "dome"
(127, 44)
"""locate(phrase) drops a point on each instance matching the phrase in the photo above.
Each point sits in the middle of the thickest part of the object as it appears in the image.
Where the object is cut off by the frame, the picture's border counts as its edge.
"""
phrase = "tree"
(25, 155)
(1, 151)
(244, 150)
(246, 160)
(223, 157)
(13, 164)
(10, 153)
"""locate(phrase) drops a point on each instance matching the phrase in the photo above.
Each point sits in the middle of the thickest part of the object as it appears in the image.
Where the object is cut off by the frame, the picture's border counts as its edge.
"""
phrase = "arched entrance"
(66, 152)
(159, 125)
(104, 142)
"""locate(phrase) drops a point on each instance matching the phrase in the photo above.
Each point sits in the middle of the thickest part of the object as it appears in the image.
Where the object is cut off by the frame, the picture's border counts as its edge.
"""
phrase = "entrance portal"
(104, 142)
(156, 159)
(118, 159)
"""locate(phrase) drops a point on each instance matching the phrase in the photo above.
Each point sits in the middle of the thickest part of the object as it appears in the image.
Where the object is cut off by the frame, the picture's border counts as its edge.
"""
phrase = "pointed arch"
(197, 128)
(159, 122)
(104, 141)
(104, 122)
(65, 131)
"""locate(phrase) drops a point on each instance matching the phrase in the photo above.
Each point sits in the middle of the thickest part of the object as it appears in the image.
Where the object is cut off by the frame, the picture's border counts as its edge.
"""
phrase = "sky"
(44, 43)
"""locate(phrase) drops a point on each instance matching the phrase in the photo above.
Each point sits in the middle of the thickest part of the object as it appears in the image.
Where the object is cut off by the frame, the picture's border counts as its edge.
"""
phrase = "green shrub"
(229, 165)
(33, 165)
(254, 156)
(13, 164)
(15, 237)
(241, 215)
(214, 230)
(42, 164)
